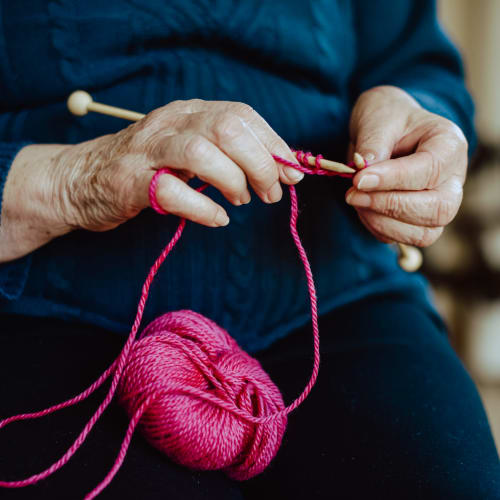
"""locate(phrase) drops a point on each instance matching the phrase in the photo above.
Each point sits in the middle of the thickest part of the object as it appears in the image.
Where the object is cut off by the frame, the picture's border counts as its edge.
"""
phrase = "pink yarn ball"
(198, 397)
(195, 375)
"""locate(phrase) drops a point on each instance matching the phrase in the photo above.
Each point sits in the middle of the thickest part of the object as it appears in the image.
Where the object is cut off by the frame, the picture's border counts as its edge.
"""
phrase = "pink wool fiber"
(195, 375)
(184, 381)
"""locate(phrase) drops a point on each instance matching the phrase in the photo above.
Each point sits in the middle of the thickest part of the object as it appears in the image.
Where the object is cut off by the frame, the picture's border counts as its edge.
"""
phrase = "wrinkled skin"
(99, 184)
(413, 196)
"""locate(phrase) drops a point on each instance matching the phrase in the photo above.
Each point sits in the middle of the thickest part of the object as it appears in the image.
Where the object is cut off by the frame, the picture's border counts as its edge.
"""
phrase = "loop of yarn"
(194, 393)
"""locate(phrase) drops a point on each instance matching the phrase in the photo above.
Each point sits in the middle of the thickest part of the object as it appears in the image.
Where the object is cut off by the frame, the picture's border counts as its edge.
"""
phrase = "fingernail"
(275, 193)
(369, 157)
(221, 219)
(293, 174)
(358, 199)
(369, 181)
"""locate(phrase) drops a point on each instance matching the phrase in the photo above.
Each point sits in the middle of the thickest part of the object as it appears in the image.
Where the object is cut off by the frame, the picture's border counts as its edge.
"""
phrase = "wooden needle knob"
(79, 102)
(410, 258)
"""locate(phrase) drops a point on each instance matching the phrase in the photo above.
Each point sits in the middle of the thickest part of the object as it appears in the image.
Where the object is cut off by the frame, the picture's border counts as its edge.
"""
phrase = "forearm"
(29, 214)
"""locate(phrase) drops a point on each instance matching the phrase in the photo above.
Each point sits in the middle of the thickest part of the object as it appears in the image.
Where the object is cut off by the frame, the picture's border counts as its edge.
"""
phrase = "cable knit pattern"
(300, 64)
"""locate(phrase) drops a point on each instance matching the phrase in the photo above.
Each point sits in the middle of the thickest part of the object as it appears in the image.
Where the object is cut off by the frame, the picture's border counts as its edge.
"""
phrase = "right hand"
(225, 144)
(99, 184)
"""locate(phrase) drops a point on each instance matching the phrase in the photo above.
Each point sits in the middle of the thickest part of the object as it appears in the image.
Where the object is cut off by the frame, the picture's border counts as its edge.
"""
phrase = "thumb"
(375, 130)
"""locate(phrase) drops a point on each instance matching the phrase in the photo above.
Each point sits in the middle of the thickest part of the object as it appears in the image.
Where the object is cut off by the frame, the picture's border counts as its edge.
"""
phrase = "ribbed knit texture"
(300, 64)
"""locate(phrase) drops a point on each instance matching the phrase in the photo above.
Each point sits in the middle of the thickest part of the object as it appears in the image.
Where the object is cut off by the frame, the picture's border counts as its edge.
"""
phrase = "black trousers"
(393, 415)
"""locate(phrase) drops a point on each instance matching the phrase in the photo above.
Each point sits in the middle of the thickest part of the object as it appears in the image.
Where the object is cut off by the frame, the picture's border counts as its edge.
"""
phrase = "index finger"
(437, 159)
(271, 141)
(415, 172)
(274, 144)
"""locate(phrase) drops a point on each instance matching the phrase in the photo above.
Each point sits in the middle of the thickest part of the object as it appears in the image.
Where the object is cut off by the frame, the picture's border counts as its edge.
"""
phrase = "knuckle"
(181, 105)
(211, 215)
(453, 129)
(192, 102)
(235, 184)
(177, 106)
(140, 135)
(227, 127)
(265, 171)
(144, 140)
(444, 212)
(175, 103)
(373, 92)
(145, 134)
(195, 146)
(434, 170)
(376, 224)
(454, 137)
(427, 236)
(243, 109)
(152, 117)
(154, 120)
(277, 145)
(441, 213)
(393, 205)
(397, 177)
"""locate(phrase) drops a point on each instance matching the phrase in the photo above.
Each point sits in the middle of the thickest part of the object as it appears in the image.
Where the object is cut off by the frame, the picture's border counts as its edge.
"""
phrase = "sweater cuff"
(14, 274)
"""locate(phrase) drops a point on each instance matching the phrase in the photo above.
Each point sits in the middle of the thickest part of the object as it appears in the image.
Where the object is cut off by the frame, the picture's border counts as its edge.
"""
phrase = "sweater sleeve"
(402, 44)
(13, 275)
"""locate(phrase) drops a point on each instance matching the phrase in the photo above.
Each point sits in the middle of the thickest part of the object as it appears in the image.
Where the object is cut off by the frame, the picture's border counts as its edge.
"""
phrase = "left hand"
(418, 163)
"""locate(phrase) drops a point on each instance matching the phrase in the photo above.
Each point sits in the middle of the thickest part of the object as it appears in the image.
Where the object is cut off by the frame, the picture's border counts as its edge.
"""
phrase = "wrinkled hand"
(226, 144)
(96, 185)
(414, 187)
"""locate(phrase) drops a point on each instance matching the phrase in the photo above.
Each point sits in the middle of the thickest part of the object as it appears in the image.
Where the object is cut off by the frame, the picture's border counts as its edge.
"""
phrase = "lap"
(45, 362)
(394, 414)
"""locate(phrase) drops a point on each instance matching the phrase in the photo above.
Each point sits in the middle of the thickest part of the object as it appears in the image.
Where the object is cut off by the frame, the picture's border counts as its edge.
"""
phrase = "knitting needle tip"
(359, 161)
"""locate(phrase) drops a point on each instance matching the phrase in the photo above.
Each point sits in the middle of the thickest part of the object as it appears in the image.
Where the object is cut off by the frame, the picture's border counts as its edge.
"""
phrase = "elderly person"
(226, 85)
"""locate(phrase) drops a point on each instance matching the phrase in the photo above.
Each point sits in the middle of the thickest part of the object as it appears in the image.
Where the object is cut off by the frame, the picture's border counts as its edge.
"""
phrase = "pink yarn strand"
(270, 408)
(118, 365)
(122, 453)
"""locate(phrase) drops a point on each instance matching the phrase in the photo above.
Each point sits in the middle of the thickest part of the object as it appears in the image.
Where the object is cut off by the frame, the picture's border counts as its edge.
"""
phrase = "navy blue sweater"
(300, 63)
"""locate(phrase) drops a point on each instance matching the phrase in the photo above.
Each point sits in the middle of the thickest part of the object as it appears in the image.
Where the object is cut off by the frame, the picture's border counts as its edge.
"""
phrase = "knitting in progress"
(195, 394)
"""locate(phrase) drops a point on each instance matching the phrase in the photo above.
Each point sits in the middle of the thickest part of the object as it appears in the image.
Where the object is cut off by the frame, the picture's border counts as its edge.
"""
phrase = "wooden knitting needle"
(81, 102)
(333, 166)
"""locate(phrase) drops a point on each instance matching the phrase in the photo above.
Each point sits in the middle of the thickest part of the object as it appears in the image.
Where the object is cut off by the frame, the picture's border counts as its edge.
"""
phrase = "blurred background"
(464, 265)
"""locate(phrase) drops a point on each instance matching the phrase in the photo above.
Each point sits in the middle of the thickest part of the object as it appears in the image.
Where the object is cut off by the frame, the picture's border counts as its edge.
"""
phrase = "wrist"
(29, 214)
(80, 186)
